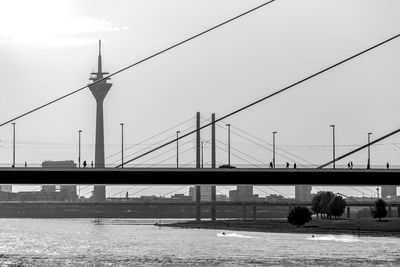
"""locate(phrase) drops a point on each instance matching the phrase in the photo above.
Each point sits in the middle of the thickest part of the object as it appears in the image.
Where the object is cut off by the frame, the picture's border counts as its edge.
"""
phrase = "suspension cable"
(147, 139)
(140, 61)
(272, 95)
(360, 148)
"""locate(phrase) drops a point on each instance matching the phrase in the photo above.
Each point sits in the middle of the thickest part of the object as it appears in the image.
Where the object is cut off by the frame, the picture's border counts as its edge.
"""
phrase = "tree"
(380, 209)
(315, 203)
(337, 206)
(299, 216)
(326, 198)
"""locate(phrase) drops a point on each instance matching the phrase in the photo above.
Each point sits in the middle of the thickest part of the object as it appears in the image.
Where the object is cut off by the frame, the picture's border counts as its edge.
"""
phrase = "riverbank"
(366, 226)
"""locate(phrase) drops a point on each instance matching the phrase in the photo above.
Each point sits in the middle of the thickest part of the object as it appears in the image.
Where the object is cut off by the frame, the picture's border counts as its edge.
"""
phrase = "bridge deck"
(190, 176)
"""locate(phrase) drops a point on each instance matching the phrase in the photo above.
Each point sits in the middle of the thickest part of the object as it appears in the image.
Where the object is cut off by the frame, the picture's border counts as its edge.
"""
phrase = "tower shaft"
(99, 149)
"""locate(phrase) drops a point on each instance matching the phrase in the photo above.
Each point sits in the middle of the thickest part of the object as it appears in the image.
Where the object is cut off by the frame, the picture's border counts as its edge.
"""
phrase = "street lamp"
(177, 149)
(122, 145)
(229, 144)
(333, 145)
(13, 124)
(369, 152)
(79, 149)
(273, 149)
(202, 147)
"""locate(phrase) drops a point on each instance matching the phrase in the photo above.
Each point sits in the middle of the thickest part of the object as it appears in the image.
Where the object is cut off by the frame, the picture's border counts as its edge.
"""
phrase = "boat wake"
(233, 235)
(342, 238)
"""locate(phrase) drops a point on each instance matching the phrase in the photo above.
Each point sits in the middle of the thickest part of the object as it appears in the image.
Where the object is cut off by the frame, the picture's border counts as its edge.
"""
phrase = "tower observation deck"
(99, 91)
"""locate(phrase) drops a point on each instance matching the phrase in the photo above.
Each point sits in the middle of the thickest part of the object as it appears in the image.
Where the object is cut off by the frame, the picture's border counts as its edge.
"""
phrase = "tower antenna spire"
(99, 64)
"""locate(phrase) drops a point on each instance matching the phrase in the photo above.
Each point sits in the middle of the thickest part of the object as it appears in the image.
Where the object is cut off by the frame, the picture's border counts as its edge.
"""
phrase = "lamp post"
(13, 124)
(202, 158)
(177, 149)
(79, 148)
(273, 149)
(229, 144)
(122, 145)
(333, 145)
(369, 152)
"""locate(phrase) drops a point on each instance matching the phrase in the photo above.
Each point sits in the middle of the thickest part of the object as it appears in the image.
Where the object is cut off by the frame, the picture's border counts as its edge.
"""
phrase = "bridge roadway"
(190, 176)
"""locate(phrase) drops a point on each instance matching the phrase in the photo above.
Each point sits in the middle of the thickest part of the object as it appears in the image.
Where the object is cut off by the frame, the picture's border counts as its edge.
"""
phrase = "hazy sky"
(48, 48)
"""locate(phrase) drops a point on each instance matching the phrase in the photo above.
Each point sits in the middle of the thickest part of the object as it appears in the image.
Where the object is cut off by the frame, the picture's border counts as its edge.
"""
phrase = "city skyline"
(355, 97)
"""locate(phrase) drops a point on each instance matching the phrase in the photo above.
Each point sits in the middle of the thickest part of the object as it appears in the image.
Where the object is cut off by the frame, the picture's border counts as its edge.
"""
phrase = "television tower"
(99, 91)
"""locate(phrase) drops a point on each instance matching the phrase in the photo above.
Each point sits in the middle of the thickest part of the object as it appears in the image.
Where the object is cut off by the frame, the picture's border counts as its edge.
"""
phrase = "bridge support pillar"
(244, 212)
(254, 213)
(213, 165)
(348, 212)
(213, 202)
(389, 211)
(198, 193)
(198, 203)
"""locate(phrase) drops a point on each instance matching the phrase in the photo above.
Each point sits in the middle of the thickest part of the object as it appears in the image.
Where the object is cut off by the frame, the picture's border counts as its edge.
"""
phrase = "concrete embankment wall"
(128, 210)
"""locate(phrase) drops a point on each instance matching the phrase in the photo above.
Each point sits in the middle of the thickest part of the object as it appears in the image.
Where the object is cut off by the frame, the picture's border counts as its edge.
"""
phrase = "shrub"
(299, 216)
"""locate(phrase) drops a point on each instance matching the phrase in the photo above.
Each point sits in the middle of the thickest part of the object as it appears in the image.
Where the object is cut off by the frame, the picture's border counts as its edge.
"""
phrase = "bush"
(380, 209)
(299, 216)
(336, 206)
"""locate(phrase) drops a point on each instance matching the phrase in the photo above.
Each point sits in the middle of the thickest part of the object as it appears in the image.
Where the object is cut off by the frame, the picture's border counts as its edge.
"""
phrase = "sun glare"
(47, 22)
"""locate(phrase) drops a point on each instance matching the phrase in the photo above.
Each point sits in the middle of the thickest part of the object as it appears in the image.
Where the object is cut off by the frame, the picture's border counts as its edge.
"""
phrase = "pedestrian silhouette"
(287, 165)
(348, 165)
(271, 165)
(26, 164)
(387, 165)
(12, 166)
(84, 164)
(294, 165)
(351, 164)
(92, 163)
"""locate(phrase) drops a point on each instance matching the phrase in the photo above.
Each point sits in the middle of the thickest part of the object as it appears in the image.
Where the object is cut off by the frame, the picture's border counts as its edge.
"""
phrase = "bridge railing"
(278, 166)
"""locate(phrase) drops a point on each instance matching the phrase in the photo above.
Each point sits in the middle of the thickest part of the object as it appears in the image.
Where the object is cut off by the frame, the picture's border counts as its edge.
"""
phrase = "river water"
(86, 242)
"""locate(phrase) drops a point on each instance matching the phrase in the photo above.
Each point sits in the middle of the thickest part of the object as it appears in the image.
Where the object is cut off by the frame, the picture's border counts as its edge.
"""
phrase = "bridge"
(123, 174)
(210, 176)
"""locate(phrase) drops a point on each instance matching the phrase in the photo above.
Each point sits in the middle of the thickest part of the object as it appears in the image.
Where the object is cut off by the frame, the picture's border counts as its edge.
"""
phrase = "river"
(116, 242)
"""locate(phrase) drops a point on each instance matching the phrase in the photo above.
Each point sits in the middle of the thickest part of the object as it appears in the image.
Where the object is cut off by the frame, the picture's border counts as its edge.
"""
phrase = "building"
(6, 188)
(221, 198)
(233, 196)
(99, 91)
(303, 192)
(181, 198)
(67, 192)
(389, 191)
(245, 192)
(49, 188)
(59, 164)
(205, 193)
(274, 198)
(242, 193)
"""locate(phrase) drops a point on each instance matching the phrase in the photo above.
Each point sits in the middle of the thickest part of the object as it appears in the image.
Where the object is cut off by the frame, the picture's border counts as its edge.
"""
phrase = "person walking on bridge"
(387, 165)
